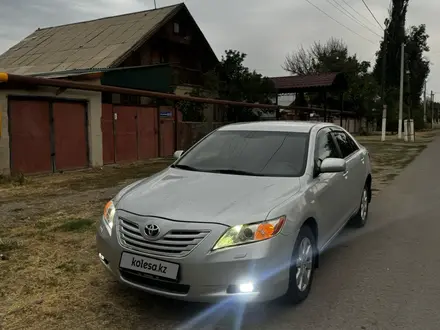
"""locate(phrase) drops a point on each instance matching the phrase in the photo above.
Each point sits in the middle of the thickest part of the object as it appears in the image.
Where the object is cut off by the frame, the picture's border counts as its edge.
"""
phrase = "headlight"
(254, 232)
(109, 214)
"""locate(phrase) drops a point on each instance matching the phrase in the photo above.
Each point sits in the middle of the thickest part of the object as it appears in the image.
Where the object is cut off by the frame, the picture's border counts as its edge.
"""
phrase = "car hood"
(206, 197)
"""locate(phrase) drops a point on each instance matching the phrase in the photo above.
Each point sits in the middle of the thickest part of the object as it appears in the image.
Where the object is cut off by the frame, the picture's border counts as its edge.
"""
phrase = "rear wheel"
(360, 219)
(302, 266)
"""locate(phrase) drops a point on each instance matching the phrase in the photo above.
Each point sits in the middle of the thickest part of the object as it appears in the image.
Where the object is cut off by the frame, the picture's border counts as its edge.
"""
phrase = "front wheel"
(302, 266)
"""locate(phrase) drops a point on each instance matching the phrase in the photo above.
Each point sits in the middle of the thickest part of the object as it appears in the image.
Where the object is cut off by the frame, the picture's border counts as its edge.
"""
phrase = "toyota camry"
(244, 213)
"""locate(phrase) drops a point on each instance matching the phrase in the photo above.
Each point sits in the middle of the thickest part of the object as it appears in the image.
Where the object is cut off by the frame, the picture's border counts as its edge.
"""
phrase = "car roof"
(278, 125)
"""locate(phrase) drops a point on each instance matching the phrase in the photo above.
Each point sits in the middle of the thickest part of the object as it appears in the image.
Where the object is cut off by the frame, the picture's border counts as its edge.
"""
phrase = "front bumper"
(206, 276)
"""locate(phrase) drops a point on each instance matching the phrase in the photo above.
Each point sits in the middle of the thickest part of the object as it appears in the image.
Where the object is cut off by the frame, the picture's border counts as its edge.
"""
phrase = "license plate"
(149, 266)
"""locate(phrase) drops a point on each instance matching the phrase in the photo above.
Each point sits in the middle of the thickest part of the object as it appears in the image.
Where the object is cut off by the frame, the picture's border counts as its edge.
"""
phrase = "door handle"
(345, 174)
(363, 160)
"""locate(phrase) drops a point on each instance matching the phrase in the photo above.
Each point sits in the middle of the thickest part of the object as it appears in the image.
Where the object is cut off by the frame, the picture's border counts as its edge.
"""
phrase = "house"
(47, 129)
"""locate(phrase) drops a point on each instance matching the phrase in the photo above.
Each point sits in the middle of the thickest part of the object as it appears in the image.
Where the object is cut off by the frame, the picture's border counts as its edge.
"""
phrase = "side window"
(346, 144)
(325, 147)
(353, 144)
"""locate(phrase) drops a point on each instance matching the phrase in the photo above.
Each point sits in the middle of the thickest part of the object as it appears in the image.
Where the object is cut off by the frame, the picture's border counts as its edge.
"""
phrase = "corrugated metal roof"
(92, 44)
(304, 82)
(77, 72)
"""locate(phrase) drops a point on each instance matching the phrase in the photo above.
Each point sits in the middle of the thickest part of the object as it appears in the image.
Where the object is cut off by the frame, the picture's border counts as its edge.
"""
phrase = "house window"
(176, 28)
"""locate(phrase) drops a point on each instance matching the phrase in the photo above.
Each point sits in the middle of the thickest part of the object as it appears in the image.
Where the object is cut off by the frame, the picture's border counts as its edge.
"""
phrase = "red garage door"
(70, 127)
(126, 133)
(30, 136)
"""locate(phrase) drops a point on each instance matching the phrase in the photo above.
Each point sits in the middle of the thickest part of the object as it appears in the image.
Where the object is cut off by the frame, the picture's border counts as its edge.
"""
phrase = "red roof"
(306, 82)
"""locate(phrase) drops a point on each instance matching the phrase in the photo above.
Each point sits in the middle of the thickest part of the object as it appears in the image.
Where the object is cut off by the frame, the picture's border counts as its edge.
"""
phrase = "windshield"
(259, 153)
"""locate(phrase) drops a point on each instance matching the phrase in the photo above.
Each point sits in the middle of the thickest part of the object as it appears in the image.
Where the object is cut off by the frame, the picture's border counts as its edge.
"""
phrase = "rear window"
(265, 153)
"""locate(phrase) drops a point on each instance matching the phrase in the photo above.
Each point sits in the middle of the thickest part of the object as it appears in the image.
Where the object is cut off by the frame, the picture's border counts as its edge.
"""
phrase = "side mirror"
(333, 165)
(177, 154)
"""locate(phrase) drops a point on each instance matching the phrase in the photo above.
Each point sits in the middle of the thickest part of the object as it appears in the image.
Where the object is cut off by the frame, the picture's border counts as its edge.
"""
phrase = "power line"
(348, 12)
(372, 14)
(366, 19)
(343, 25)
(349, 15)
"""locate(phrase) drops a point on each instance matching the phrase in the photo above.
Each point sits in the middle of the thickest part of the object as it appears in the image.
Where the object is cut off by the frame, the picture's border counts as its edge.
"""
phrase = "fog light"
(246, 287)
(104, 260)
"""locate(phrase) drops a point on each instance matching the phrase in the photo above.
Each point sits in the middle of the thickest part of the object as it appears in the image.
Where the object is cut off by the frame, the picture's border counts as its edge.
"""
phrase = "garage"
(47, 135)
(70, 135)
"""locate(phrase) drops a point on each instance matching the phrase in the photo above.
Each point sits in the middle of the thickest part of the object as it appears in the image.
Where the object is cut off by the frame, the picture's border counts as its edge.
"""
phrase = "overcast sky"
(265, 30)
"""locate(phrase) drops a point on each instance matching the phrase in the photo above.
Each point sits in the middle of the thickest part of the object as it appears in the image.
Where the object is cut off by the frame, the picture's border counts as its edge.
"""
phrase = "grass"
(7, 245)
(52, 279)
(390, 157)
(76, 225)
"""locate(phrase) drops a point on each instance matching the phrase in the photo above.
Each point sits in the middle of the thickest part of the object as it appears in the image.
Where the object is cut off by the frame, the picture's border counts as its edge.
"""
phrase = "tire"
(298, 290)
(360, 219)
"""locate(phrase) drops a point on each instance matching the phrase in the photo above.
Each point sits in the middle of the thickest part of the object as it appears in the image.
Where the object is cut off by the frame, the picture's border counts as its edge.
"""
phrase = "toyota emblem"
(152, 230)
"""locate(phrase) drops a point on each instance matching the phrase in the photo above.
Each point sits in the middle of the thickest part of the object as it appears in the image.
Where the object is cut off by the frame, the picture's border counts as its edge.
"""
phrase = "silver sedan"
(243, 214)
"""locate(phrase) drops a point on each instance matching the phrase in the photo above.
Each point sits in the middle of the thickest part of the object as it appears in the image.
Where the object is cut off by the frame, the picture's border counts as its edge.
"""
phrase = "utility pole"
(384, 63)
(409, 122)
(402, 77)
(155, 7)
(424, 104)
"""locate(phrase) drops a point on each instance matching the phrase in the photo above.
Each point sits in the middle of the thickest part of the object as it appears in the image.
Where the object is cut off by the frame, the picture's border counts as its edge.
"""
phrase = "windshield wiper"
(185, 167)
(233, 171)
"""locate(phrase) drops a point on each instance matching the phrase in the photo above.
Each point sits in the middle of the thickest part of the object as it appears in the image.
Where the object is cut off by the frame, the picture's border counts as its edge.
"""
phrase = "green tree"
(389, 80)
(418, 67)
(238, 83)
(333, 56)
(194, 111)
(395, 31)
(233, 81)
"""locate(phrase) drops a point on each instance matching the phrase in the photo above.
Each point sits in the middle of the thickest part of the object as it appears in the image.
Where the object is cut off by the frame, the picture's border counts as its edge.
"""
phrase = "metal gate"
(167, 134)
(125, 133)
(108, 134)
(129, 133)
(147, 133)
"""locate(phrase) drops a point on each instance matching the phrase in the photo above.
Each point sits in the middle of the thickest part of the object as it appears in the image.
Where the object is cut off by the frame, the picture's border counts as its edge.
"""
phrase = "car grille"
(175, 243)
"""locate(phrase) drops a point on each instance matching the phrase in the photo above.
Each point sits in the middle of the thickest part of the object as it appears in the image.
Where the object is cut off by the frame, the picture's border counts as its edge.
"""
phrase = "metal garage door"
(70, 135)
(30, 136)
(47, 135)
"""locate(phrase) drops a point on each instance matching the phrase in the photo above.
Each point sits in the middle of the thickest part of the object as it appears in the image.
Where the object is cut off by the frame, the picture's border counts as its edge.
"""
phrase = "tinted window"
(325, 147)
(345, 143)
(256, 152)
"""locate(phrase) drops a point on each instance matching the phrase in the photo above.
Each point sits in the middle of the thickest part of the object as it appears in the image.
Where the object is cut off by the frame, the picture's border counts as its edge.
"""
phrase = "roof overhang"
(333, 81)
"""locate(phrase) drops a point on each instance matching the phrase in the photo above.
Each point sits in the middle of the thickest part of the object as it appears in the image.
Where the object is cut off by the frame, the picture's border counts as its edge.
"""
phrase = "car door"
(354, 176)
(328, 188)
